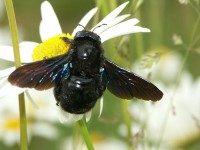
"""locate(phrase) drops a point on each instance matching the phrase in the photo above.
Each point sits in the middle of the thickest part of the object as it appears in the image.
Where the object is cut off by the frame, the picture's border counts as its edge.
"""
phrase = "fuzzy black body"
(81, 75)
(79, 92)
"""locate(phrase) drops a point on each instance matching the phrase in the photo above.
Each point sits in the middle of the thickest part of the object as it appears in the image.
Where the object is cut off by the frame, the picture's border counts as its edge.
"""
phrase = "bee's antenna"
(98, 26)
(82, 26)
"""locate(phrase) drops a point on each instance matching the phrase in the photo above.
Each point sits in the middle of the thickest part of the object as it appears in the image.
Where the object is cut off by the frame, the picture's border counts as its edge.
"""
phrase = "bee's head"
(87, 35)
(87, 45)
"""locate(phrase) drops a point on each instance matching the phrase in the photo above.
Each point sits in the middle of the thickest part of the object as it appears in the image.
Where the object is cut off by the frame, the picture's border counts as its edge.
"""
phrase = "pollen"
(52, 47)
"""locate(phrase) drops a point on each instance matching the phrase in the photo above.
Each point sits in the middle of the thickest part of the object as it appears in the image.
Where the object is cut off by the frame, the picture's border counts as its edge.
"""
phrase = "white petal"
(84, 21)
(110, 24)
(111, 16)
(88, 115)
(7, 89)
(2, 80)
(66, 117)
(76, 117)
(49, 26)
(40, 129)
(6, 72)
(6, 53)
(123, 28)
(31, 99)
(11, 138)
(101, 106)
(29, 45)
(26, 51)
(63, 115)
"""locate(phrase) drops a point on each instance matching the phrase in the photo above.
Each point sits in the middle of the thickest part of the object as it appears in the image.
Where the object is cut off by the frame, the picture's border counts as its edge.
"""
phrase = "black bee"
(81, 75)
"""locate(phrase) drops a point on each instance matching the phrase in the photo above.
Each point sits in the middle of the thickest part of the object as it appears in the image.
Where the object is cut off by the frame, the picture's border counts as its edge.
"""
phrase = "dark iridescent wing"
(41, 75)
(126, 85)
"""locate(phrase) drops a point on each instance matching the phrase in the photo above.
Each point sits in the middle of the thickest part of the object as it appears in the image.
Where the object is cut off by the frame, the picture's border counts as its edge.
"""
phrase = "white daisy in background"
(49, 27)
(10, 123)
(99, 144)
(181, 105)
(184, 2)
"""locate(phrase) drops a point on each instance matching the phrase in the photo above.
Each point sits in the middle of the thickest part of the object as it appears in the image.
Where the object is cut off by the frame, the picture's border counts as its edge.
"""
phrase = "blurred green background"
(164, 18)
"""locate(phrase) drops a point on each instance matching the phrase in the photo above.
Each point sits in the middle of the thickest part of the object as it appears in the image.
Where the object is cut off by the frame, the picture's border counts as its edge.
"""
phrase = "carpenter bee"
(81, 75)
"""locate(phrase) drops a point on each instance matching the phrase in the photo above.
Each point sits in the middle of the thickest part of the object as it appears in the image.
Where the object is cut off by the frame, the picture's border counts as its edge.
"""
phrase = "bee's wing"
(41, 75)
(126, 85)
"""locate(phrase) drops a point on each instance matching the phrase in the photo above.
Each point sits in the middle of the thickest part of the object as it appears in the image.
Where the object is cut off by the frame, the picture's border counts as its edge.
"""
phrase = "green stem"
(15, 41)
(139, 41)
(135, 10)
(13, 29)
(127, 121)
(23, 123)
(85, 134)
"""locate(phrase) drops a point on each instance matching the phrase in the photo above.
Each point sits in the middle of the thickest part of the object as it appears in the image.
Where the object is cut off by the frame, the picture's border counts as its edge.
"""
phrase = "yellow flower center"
(52, 47)
(11, 124)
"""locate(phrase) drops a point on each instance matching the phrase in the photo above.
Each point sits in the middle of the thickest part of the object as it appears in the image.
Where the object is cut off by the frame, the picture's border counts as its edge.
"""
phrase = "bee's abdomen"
(78, 95)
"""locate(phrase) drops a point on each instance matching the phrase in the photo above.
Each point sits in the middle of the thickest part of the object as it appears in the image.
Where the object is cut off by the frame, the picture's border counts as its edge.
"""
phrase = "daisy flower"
(10, 123)
(50, 33)
(178, 112)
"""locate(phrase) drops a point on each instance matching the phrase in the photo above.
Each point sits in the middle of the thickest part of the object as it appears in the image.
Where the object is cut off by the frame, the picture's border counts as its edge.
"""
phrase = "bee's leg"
(68, 41)
(57, 95)
(57, 103)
